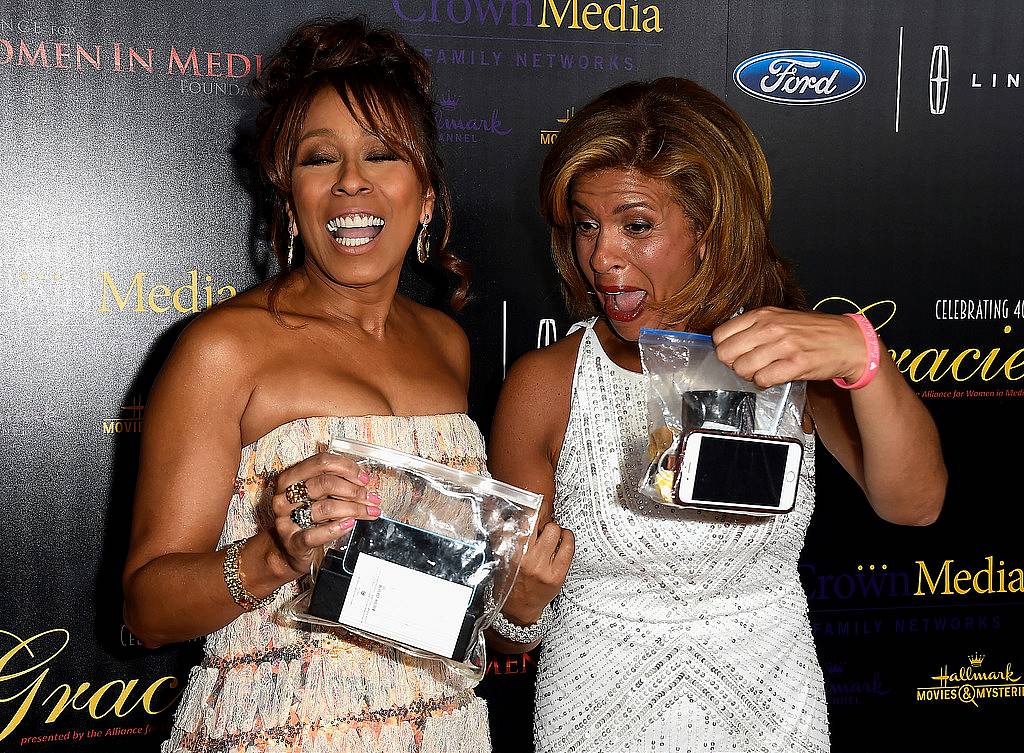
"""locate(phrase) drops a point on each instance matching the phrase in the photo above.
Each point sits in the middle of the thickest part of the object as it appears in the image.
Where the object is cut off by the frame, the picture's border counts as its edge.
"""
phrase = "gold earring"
(423, 242)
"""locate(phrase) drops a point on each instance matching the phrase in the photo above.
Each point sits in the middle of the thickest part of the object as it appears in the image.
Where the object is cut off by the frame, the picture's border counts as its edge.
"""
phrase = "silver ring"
(302, 516)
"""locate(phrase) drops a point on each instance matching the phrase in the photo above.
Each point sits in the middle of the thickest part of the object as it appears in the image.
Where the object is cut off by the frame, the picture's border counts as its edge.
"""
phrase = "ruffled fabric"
(270, 685)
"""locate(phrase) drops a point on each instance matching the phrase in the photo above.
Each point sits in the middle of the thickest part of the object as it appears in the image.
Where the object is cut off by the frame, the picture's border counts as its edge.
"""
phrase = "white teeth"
(353, 241)
(354, 221)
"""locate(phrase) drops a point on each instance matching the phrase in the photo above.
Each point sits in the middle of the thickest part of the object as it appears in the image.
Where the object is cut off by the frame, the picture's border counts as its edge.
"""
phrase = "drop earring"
(292, 232)
(423, 242)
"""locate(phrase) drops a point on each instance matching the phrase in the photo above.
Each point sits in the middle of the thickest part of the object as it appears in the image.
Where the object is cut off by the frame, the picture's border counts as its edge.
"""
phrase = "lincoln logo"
(546, 333)
(799, 77)
(938, 82)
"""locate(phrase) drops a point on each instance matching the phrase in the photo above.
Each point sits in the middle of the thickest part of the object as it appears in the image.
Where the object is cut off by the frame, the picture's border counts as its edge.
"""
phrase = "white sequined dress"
(676, 631)
(267, 685)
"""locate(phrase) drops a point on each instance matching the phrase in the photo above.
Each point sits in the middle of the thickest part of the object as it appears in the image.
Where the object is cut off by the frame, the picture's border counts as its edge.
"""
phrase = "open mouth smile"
(352, 230)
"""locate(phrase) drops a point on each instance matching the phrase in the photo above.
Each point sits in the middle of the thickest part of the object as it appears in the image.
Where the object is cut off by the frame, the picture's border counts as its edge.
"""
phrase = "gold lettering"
(559, 17)
(163, 292)
(654, 22)
(66, 700)
(1011, 363)
(621, 8)
(147, 697)
(616, 16)
(121, 302)
(963, 576)
(986, 572)
(589, 10)
(126, 689)
(912, 371)
(227, 291)
(922, 571)
(33, 687)
(1016, 584)
(193, 288)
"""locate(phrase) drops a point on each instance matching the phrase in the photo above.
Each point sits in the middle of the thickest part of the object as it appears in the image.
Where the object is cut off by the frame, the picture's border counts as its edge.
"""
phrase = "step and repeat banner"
(893, 133)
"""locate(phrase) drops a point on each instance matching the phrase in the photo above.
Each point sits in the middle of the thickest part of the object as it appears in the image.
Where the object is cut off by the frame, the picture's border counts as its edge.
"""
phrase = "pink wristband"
(871, 343)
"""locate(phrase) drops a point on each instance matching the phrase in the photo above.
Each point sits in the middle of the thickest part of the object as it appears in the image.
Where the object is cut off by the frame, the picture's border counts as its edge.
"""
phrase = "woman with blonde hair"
(681, 630)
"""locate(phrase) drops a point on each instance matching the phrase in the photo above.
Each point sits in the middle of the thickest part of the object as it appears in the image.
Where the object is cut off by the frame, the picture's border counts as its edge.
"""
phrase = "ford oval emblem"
(799, 77)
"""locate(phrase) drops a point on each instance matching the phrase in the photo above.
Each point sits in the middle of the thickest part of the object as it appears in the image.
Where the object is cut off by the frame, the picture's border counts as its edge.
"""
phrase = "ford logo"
(799, 77)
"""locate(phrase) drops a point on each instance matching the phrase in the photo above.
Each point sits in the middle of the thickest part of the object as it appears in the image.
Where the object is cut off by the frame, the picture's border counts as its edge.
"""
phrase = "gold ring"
(297, 493)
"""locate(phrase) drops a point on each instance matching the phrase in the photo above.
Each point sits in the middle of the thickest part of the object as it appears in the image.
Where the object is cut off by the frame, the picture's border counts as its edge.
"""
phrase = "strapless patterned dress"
(268, 685)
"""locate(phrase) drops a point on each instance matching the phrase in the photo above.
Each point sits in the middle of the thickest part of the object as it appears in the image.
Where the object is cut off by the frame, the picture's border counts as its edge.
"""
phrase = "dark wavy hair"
(676, 131)
(385, 84)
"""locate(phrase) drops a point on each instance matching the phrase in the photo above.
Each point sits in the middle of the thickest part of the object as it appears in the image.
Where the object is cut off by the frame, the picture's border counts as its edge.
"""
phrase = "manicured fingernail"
(347, 523)
(373, 511)
(373, 496)
(364, 477)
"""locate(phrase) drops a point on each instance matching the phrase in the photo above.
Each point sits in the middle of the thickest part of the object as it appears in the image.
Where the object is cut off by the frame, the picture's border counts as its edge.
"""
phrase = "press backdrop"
(125, 210)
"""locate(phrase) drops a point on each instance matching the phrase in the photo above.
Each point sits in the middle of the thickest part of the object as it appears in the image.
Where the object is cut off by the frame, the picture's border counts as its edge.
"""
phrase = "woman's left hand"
(770, 346)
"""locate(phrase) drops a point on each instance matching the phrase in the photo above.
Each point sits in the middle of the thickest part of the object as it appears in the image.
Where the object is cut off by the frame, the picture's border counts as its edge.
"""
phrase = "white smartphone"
(738, 472)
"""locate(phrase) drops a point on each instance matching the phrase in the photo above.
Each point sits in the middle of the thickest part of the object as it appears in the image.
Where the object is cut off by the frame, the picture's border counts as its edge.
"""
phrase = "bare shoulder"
(546, 372)
(533, 411)
(231, 328)
(221, 349)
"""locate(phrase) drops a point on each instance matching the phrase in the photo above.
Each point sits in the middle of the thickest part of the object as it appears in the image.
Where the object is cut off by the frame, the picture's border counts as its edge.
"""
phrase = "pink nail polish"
(373, 511)
(373, 496)
(364, 477)
(347, 523)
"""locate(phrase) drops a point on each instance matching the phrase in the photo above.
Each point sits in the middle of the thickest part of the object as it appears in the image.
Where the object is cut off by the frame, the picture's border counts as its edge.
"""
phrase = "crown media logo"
(799, 77)
(618, 15)
(971, 683)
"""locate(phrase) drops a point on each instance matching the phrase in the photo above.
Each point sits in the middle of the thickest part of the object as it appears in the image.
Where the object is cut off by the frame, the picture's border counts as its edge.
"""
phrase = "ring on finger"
(302, 516)
(297, 493)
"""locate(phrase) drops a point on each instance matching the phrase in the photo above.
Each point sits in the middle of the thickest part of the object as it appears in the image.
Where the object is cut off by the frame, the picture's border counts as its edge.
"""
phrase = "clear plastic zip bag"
(432, 572)
(689, 390)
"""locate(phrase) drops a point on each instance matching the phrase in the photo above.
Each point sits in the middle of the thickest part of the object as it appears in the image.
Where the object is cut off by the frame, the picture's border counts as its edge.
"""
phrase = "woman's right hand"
(541, 573)
(336, 486)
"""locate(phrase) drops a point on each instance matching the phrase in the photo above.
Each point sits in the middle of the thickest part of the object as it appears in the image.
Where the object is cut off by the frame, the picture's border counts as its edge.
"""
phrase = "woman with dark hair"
(680, 630)
(234, 491)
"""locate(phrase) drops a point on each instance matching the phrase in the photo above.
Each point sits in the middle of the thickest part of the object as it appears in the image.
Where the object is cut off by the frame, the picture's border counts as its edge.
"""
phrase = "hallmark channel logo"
(799, 77)
(618, 15)
(972, 683)
(549, 135)
(457, 127)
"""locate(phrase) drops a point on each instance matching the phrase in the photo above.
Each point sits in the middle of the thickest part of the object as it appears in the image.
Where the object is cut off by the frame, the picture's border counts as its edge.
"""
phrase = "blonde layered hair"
(674, 130)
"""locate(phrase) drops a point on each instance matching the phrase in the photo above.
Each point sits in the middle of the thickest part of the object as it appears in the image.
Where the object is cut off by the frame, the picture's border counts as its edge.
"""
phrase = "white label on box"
(405, 605)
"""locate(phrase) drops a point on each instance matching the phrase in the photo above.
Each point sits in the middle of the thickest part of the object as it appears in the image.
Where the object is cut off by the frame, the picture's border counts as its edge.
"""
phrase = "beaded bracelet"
(871, 343)
(522, 633)
(233, 579)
